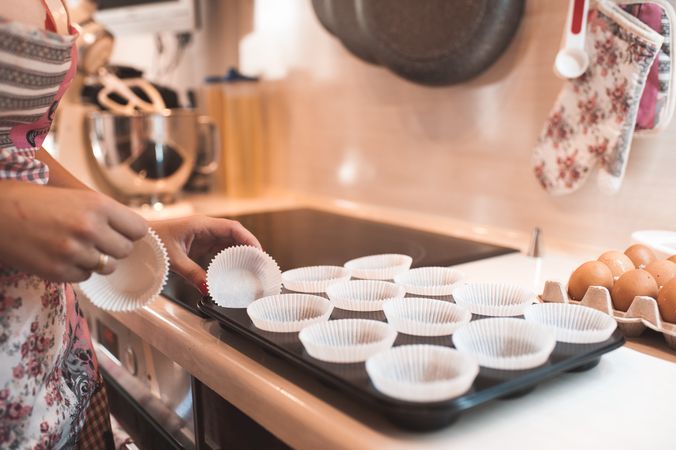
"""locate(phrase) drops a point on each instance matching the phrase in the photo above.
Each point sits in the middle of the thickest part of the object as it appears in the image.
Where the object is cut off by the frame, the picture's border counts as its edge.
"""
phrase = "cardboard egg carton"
(642, 313)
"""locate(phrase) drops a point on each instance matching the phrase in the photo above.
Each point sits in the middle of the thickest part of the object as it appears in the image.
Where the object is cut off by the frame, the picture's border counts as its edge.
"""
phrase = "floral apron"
(51, 393)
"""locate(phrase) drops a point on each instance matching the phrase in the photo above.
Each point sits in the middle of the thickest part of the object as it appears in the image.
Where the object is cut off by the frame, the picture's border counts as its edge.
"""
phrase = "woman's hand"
(189, 237)
(59, 234)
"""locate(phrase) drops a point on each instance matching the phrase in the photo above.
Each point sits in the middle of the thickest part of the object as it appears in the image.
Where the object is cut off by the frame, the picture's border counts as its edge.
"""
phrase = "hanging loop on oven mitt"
(656, 108)
(592, 121)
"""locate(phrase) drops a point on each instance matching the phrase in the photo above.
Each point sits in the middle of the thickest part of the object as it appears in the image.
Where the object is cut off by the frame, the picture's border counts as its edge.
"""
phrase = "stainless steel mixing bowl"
(145, 157)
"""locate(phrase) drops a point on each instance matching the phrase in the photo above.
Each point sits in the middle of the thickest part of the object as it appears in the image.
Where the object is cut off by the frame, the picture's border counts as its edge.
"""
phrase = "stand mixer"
(137, 151)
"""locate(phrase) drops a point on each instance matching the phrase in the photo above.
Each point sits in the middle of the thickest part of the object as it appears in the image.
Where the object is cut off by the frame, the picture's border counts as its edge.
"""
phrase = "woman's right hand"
(59, 234)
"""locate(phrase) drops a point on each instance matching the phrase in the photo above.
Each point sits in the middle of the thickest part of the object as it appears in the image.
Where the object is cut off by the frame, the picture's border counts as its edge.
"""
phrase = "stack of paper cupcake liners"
(417, 373)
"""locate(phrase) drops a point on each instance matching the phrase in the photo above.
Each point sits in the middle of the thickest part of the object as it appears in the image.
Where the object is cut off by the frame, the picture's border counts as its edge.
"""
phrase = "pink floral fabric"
(593, 119)
(49, 370)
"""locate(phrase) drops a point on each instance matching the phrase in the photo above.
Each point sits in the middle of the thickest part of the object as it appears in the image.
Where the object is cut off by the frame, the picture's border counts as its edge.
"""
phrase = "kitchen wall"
(343, 128)
(346, 129)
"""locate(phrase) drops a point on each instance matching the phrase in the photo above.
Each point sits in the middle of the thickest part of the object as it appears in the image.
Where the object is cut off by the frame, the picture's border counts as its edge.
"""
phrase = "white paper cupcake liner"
(288, 313)
(571, 323)
(506, 343)
(379, 267)
(363, 295)
(493, 299)
(422, 373)
(137, 280)
(430, 281)
(314, 279)
(425, 316)
(347, 340)
(239, 275)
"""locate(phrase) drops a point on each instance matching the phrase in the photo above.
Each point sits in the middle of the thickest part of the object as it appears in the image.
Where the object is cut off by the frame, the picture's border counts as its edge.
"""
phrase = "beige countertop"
(600, 405)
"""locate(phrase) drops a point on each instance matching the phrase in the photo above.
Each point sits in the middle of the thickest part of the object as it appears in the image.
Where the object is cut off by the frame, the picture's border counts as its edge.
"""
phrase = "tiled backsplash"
(346, 129)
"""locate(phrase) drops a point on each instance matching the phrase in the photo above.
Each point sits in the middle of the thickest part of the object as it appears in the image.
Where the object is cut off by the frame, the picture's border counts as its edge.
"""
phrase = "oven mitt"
(656, 108)
(594, 115)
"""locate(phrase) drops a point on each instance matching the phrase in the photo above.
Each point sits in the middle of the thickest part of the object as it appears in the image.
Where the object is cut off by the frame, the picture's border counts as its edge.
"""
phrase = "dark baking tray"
(353, 380)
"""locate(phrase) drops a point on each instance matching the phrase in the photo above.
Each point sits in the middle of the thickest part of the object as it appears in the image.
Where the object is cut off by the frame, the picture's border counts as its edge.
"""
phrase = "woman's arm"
(184, 238)
(58, 175)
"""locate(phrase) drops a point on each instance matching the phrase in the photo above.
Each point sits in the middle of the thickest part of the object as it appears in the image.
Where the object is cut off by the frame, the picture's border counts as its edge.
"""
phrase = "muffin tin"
(352, 379)
(642, 313)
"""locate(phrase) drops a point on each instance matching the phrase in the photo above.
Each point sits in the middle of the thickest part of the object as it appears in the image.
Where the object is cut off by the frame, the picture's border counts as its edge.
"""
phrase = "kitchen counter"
(600, 405)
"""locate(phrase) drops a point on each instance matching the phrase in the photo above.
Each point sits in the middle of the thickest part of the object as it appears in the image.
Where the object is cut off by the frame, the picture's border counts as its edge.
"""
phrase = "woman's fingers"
(188, 269)
(126, 222)
(90, 259)
(110, 242)
(232, 232)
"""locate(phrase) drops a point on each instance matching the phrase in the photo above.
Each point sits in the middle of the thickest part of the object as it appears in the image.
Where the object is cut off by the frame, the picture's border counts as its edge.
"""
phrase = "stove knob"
(130, 362)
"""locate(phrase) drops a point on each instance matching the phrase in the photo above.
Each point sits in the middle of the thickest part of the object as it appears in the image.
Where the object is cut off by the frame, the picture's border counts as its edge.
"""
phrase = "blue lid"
(232, 76)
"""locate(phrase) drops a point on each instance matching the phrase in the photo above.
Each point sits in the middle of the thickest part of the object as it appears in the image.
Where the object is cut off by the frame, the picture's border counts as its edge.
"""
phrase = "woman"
(55, 231)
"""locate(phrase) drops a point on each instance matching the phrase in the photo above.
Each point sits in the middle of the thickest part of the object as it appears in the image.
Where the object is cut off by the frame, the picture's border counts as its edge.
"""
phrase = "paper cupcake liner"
(314, 279)
(239, 275)
(288, 313)
(347, 340)
(571, 323)
(422, 373)
(493, 299)
(425, 316)
(137, 280)
(379, 267)
(506, 343)
(363, 295)
(430, 281)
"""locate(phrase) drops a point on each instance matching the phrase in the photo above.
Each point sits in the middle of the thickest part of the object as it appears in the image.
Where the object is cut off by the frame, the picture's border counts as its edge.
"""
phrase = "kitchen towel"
(593, 119)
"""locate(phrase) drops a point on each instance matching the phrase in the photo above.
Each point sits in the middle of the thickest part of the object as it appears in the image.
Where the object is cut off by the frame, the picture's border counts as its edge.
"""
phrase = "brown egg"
(666, 301)
(617, 262)
(632, 283)
(640, 255)
(591, 273)
(662, 271)
(672, 258)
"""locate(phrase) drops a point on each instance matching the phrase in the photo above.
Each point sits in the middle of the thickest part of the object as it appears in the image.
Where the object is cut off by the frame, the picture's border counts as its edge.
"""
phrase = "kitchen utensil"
(239, 275)
(321, 8)
(114, 88)
(363, 295)
(137, 280)
(288, 313)
(425, 316)
(572, 59)
(146, 158)
(342, 16)
(351, 381)
(438, 42)
(422, 373)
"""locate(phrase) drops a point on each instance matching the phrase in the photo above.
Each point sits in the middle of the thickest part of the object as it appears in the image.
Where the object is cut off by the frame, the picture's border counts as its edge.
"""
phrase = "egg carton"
(642, 313)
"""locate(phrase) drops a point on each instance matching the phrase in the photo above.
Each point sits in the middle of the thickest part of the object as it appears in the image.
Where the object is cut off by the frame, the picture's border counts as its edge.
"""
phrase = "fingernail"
(203, 288)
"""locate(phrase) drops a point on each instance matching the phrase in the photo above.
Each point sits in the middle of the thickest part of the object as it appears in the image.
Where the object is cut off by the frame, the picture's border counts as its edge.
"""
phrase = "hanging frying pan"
(340, 18)
(438, 42)
(321, 8)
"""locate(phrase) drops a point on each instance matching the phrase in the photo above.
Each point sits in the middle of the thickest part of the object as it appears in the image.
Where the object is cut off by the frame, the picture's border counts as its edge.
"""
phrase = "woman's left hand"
(188, 237)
